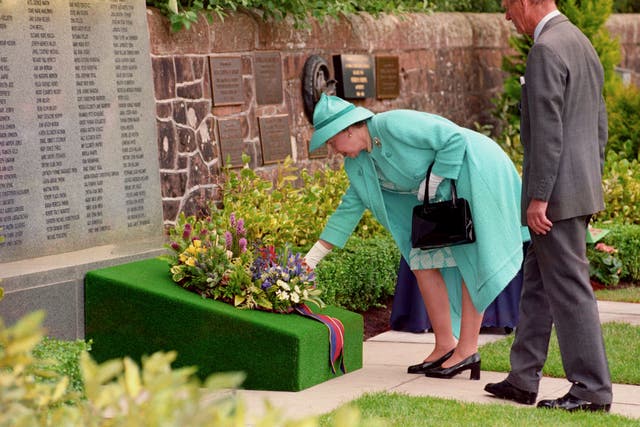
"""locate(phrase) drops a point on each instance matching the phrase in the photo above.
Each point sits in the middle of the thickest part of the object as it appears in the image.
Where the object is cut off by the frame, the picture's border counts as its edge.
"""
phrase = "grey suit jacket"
(563, 123)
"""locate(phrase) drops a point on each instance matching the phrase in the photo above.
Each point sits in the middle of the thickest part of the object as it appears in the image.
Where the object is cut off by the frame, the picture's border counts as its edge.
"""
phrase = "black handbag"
(447, 223)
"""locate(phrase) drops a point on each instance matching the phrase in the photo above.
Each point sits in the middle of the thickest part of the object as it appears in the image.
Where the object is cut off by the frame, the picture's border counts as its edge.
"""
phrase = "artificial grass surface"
(135, 309)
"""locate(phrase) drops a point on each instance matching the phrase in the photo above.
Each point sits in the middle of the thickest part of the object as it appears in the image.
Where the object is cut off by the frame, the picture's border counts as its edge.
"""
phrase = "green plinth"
(135, 309)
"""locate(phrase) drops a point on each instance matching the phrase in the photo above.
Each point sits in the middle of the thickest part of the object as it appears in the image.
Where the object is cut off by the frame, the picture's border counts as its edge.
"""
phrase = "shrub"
(291, 210)
(625, 239)
(621, 191)
(623, 104)
(361, 275)
(62, 357)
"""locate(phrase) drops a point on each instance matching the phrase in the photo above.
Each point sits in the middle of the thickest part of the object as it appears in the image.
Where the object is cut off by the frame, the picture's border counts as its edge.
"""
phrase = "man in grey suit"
(564, 132)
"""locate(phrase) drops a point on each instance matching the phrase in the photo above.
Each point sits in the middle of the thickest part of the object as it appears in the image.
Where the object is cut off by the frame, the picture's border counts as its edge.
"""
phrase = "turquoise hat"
(332, 115)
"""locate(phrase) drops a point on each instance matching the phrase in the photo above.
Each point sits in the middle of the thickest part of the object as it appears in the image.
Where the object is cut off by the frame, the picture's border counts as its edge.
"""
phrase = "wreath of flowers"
(215, 260)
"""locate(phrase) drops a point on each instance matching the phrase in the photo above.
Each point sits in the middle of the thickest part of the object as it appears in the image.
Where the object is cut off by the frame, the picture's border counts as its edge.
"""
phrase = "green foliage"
(623, 104)
(183, 13)
(467, 5)
(119, 392)
(621, 191)
(361, 275)
(626, 6)
(625, 238)
(291, 210)
(24, 398)
(62, 357)
(604, 264)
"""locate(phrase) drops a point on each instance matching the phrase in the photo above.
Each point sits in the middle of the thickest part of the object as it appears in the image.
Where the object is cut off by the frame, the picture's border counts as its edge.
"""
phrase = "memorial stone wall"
(79, 177)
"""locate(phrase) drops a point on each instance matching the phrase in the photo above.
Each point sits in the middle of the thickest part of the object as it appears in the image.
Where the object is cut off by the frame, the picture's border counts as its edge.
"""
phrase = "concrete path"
(385, 362)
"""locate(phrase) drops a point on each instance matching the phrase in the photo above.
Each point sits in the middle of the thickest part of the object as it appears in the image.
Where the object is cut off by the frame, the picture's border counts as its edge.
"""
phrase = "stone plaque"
(268, 77)
(275, 138)
(226, 78)
(231, 143)
(355, 76)
(387, 77)
(78, 154)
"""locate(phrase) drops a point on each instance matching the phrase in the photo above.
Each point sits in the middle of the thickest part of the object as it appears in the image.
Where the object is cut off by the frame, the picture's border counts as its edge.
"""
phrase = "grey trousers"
(556, 290)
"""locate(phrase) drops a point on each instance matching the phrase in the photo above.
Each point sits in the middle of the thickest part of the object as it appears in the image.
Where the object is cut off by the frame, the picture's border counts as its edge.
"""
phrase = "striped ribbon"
(336, 335)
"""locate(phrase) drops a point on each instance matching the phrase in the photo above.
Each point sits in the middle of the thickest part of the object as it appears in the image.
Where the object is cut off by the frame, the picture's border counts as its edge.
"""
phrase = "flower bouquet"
(215, 260)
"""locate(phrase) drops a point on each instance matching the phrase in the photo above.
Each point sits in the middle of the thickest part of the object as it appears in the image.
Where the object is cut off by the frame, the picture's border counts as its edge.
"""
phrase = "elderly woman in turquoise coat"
(386, 159)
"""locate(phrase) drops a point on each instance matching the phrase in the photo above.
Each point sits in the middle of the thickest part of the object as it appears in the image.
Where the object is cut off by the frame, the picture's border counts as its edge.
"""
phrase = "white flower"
(229, 255)
(283, 296)
(295, 297)
(283, 285)
(296, 288)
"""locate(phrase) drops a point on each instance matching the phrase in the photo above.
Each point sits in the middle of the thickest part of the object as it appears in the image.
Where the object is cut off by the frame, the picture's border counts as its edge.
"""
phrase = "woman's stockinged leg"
(436, 300)
(470, 323)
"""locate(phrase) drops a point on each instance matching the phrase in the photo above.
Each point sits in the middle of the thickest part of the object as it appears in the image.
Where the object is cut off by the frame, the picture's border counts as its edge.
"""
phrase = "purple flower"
(232, 219)
(243, 244)
(240, 227)
(228, 237)
(175, 246)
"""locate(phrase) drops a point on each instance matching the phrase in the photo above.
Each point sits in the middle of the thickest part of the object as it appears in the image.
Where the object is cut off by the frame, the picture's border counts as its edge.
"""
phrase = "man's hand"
(537, 217)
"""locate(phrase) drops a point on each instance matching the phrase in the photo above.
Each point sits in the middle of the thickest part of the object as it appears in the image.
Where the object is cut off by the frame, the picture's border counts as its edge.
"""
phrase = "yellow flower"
(183, 257)
(191, 261)
(176, 269)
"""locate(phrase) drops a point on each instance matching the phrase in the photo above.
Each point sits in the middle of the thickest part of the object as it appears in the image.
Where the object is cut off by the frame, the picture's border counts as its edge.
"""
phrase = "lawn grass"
(621, 343)
(626, 294)
(394, 409)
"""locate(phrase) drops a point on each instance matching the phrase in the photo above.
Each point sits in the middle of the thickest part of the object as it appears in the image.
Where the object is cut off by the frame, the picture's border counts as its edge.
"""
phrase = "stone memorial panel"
(268, 78)
(355, 76)
(226, 78)
(275, 138)
(387, 77)
(78, 157)
(231, 143)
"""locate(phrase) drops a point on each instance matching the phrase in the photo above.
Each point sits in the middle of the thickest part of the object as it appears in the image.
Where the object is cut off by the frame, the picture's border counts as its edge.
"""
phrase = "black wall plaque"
(226, 79)
(268, 77)
(387, 77)
(355, 76)
(275, 137)
(231, 143)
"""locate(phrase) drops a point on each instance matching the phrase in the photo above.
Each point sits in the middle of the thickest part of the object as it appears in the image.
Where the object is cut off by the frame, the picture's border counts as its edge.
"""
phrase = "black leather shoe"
(472, 362)
(423, 367)
(571, 403)
(505, 390)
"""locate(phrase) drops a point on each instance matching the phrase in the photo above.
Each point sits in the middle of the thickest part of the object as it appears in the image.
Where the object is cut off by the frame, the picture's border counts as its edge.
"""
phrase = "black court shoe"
(423, 367)
(472, 362)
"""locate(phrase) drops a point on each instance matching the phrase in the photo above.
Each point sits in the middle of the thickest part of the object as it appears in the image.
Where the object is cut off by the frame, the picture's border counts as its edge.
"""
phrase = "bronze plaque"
(226, 79)
(387, 77)
(231, 143)
(275, 138)
(268, 77)
(355, 76)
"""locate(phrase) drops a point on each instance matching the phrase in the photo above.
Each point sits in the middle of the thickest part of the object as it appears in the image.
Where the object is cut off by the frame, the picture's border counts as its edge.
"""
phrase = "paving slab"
(385, 361)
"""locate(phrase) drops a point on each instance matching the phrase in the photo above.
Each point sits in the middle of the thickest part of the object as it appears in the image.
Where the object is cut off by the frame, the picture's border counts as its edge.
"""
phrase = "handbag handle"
(454, 194)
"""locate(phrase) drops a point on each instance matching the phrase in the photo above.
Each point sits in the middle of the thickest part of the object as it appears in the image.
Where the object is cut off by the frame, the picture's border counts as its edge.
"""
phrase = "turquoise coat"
(405, 144)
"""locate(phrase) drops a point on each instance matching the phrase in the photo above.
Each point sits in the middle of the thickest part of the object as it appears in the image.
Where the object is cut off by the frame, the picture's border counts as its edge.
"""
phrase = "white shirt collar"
(542, 23)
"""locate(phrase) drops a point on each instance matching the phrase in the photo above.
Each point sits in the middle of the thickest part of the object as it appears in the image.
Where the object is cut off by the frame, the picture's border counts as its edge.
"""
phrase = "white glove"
(434, 182)
(315, 254)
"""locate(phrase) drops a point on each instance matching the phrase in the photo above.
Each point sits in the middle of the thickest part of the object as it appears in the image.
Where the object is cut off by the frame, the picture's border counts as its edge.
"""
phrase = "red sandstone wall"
(450, 64)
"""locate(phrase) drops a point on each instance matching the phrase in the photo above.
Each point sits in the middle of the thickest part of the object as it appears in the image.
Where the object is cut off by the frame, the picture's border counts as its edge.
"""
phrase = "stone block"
(135, 309)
